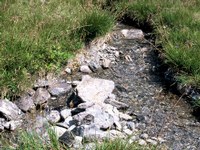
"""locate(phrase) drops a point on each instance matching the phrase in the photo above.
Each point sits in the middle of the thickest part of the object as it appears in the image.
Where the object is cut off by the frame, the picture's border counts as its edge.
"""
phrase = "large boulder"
(9, 110)
(94, 89)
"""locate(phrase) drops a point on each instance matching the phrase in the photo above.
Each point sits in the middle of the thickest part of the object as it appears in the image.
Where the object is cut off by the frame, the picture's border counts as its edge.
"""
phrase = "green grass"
(32, 141)
(39, 37)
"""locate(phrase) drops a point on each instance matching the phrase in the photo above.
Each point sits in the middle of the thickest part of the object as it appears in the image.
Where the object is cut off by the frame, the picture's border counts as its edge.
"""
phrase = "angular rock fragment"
(59, 89)
(25, 103)
(41, 96)
(9, 110)
(85, 69)
(53, 116)
(65, 113)
(94, 89)
(13, 124)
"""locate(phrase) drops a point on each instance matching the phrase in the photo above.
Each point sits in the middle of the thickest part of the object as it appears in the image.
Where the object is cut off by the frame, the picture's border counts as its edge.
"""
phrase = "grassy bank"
(38, 37)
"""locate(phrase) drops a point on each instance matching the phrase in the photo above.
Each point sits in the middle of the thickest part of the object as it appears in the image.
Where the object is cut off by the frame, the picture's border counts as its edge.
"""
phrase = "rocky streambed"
(111, 89)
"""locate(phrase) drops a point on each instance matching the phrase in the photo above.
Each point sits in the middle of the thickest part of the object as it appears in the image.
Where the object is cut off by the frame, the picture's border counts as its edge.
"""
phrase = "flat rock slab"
(94, 89)
(9, 110)
(59, 89)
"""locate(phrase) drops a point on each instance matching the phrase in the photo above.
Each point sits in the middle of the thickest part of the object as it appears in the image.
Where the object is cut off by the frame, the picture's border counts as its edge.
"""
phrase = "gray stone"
(130, 125)
(117, 104)
(68, 70)
(125, 116)
(86, 105)
(68, 120)
(41, 83)
(118, 125)
(94, 89)
(94, 66)
(25, 103)
(85, 69)
(128, 131)
(92, 132)
(153, 142)
(101, 118)
(132, 34)
(142, 142)
(41, 96)
(67, 138)
(59, 89)
(53, 116)
(106, 63)
(144, 136)
(59, 131)
(13, 124)
(65, 113)
(9, 110)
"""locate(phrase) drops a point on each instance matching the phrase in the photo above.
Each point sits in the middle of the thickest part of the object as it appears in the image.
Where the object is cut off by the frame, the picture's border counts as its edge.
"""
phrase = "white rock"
(54, 116)
(125, 116)
(94, 89)
(106, 63)
(26, 103)
(9, 110)
(153, 142)
(128, 131)
(144, 136)
(85, 69)
(118, 125)
(68, 70)
(132, 34)
(71, 128)
(142, 142)
(59, 89)
(78, 142)
(90, 146)
(65, 113)
(116, 54)
(12, 125)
